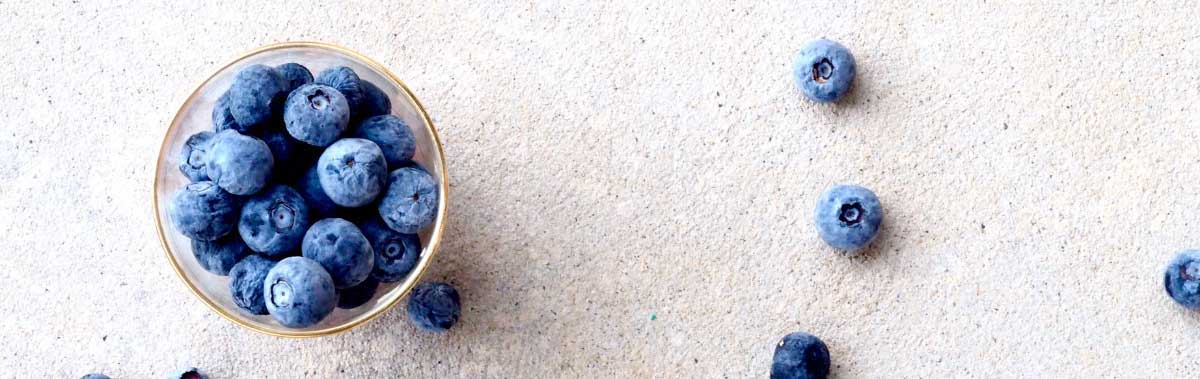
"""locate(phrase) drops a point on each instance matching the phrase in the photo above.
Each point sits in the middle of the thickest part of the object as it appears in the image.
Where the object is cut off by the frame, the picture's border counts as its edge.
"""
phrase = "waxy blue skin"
(246, 283)
(345, 80)
(800, 356)
(393, 137)
(274, 221)
(352, 171)
(298, 292)
(256, 94)
(221, 116)
(341, 249)
(203, 211)
(192, 156)
(411, 200)
(1181, 279)
(95, 376)
(309, 186)
(434, 307)
(824, 71)
(358, 295)
(848, 217)
(396, 254)
(375, 102)
(294, 74)
(239, 164)
(219, 256)
(316, 114)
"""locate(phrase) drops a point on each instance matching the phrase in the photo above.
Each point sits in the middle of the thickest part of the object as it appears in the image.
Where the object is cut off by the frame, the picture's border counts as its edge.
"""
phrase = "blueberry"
(289, 155)
(1182, 279)
(393, 137)
(848, 217)
(274, 221)
(800, 356)
(341, 248)
(433, 306)
(345, 81)
(95, 376)
(352, 172)
(294, 74)
(309, 186)
(222, 118)
(189, 373)
(203, 211)
(375, 102)
(316, 114)
(396, 254)
(824, 70)
(246, 283)
(411, 200)
(298, 292)
(191, 156)
(256, 94)
(219, 256)
(239, 164)
(353, 297)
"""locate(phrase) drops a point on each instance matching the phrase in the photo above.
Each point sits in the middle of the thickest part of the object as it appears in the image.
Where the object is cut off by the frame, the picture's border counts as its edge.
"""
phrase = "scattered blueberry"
(203, 211)
(345, 81)
(411, 200)
(256, 94)
(433, 306)
(352, 172)
(375, 102)
(848, 217)
(1182, 279)
(219, 256)
(298, 292)
(341, 249)
(353, 297)
(294, 74)
(239, 164)
(95, 376)
(221, 116)
(800, 356)
(191, 156)
(246, 283)
(309, 186)
(316, 114)
(273, 222)
(189, 373)
(393, 137)
(824, 70)
(396, 254)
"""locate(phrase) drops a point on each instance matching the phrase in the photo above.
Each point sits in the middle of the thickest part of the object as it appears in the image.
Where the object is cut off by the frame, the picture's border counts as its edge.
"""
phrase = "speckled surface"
(632, 184)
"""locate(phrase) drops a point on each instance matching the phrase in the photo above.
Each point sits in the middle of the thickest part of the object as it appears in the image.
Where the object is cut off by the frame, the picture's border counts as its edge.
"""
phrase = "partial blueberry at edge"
(294, 74)
(218, 257)
(192, 156)
(346, 81)
(1181, 279)
(392, 135)
(246, 283)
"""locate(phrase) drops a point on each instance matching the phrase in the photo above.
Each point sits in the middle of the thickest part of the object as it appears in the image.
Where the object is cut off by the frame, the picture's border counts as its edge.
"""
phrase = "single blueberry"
(298, 292)
(219, 256)
(273, 222)
(434, 306)
(316, 114)
(393, 137)
(358, 295)
(239, 164)
(246, 283)
(294, 74)
(345, 81)
(256, 94)
(824, 70)
(800, 356)
(95, 376)
(848, 217)
(341, 249)
(375, 102)
(191, 156)
(1182, 279)
(411, 200)
(396, 254)
(222, 118)
(203, 211)
(352, 171)
(309, 186)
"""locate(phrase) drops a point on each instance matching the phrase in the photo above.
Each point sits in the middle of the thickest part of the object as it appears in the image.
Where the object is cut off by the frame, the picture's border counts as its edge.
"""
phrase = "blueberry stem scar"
(851, 213)
(821, 71)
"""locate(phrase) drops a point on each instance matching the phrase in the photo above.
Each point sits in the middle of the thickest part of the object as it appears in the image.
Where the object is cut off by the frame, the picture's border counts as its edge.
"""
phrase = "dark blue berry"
(219, 256)
(800, 356)
(393, 137)
(434, 306)
(192, 156)
(203, 211)
(246, 283)
(341, 249)
(298, 292)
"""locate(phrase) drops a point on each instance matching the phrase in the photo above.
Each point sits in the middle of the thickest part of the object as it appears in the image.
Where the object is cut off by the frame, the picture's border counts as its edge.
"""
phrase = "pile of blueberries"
(305, 194)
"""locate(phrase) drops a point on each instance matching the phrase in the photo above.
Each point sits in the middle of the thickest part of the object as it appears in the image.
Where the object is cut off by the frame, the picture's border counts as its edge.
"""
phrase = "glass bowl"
(195, 116)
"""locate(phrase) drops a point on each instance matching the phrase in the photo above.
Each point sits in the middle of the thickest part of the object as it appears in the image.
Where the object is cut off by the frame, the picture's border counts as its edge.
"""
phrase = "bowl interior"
(195, 116)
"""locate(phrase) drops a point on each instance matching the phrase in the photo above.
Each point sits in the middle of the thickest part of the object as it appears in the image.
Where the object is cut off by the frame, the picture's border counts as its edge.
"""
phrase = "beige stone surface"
(632, 185)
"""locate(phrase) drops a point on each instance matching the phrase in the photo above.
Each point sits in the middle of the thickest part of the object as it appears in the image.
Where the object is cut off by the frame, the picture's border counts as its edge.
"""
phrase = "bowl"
(195, 115)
